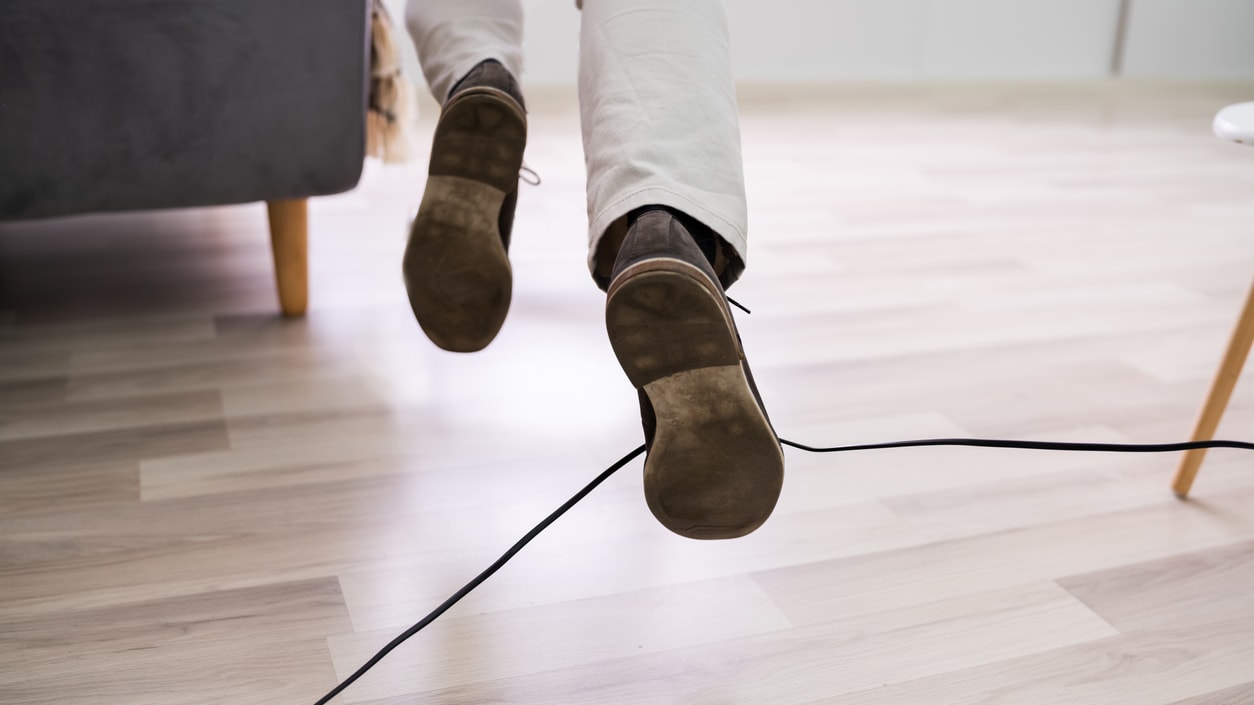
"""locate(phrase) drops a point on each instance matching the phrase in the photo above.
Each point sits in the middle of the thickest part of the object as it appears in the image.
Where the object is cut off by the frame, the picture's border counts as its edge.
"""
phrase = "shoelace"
(525, 171)
(605, 475)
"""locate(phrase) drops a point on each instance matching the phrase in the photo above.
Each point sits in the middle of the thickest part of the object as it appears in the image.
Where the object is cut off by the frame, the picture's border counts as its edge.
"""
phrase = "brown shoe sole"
(456, 269)
(714, 468)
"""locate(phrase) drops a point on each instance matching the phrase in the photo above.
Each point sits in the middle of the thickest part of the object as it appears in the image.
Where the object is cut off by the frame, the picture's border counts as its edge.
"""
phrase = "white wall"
(1190, 39)
(912, 39)
(870, 40)
(797, 40)
(861, 40)
(1018, 38)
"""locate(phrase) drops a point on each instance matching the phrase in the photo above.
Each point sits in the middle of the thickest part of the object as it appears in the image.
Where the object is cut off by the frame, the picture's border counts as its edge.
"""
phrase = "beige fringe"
(393, 109)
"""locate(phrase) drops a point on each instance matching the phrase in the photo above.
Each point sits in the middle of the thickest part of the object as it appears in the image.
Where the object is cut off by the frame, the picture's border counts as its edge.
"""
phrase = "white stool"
(1236, 123)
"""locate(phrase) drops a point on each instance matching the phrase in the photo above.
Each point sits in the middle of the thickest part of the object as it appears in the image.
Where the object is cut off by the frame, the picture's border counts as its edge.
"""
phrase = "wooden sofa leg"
(1217, 399)
(289, 235)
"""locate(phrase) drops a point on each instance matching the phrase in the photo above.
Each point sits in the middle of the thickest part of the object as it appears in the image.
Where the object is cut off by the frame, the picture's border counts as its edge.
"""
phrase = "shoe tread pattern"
(714, 468)
(456, 268)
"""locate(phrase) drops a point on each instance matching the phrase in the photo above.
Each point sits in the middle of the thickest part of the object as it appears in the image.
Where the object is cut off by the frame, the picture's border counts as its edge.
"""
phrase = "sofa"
(112, 105)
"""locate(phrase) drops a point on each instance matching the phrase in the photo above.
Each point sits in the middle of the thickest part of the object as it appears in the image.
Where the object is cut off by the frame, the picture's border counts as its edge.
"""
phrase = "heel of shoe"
(457, 273)
(714, 468)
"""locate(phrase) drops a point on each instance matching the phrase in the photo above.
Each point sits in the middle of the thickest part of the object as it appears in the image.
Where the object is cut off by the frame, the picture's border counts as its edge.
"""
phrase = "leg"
(666, 212)
(454, 36)
(1217, 400)
(660, 127)
(456, 266)
(289, 229)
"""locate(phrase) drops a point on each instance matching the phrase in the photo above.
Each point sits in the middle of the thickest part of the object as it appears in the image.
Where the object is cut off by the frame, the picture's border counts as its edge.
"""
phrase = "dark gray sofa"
(110, 105)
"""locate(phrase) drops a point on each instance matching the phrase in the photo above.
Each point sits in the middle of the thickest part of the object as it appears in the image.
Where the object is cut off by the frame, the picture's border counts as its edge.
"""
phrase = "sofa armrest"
(137, 104)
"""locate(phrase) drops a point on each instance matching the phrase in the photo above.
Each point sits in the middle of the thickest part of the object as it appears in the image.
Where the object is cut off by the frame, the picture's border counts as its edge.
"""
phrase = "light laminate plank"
(28, 490)
(1102, 486)
(602, 549)
(1242, 693)
(102, 333)
(889, 579)
(1154, 667)
(35, 392)
(184, 650)
(73, 418)
(18, 366)
(223, 368)
(1177, 591)
(84, 451)
(796, 665)
(472, 649)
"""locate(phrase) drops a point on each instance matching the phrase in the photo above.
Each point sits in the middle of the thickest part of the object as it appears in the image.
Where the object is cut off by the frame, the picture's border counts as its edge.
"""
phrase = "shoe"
(714, 466)
(456, 266)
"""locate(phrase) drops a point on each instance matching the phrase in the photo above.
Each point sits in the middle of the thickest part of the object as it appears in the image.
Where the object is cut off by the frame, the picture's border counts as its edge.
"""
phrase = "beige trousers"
(656, 100)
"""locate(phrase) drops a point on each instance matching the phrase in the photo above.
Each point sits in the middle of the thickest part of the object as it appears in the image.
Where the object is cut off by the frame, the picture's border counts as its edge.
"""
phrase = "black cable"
(1031, 445)
(578, 497)
(457, 596)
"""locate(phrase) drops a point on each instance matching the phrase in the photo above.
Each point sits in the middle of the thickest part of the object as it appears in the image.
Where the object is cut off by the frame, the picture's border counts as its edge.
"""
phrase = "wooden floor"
(202, 503)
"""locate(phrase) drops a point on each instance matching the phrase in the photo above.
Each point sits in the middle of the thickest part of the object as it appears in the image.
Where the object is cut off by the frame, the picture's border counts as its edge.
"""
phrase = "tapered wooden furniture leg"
(1217, 400)
(289, 238)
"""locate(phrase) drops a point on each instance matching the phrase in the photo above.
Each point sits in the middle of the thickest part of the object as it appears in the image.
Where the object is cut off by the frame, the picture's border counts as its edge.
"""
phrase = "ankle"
(490, 72)
(711, 245)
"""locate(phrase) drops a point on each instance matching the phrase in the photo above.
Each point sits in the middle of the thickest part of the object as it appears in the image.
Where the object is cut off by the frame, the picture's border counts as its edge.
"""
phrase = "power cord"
(578, 497)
